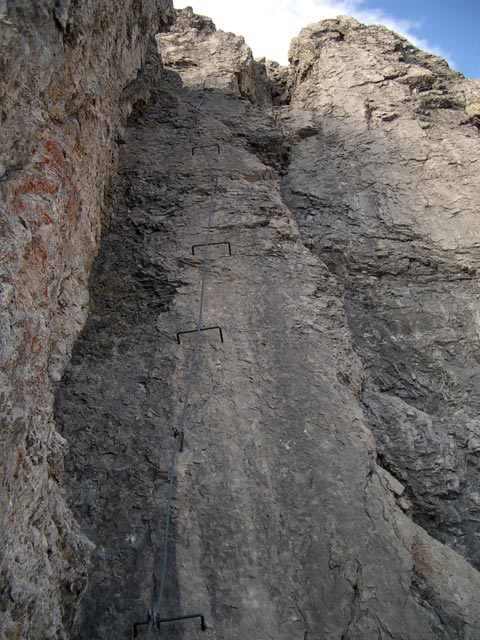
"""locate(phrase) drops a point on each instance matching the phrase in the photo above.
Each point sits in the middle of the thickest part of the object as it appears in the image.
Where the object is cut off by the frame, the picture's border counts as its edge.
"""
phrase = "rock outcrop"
(68, 77)
(202, 54)
(388, 195)
(325, 424)
(328, 487)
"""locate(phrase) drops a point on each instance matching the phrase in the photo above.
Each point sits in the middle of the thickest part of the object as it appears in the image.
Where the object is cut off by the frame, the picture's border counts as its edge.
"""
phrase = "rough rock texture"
(388, 195)
(67, 81)
(219, 59)
(285, 524)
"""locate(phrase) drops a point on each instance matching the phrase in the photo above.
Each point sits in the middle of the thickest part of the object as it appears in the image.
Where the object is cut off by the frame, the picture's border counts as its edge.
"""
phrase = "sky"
(448, 28)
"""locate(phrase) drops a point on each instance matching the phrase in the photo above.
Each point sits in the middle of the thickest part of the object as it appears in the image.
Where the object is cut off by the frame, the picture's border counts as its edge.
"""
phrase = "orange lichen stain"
(72, 203)
(4, 64)
(43, 253)
(36, 346)
(20, 462)
(34, 257)
(32, 186)
(18, 207)
(422, 558)
(57, 161)
(41, 184)
(420, 563)
(46, 299)
(41, 187)
(51, 179)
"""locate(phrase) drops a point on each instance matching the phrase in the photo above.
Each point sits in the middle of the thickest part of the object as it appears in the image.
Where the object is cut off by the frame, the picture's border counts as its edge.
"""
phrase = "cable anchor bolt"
(179, 433)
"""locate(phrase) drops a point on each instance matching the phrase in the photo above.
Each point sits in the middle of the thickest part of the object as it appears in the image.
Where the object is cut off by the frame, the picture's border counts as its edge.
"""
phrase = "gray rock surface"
(68, 77)
(219, 59)
(388, 195)
(287, 524)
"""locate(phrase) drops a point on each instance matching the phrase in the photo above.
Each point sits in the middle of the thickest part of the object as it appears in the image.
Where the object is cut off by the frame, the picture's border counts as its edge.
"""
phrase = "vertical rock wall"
(285, 524)
(67, 80)
(387, 193)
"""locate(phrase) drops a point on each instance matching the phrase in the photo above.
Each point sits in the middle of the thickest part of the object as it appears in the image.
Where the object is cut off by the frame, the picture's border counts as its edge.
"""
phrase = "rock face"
(222, 60)
(338, 415)
(68, 77)
(328, 487)
(388, 196)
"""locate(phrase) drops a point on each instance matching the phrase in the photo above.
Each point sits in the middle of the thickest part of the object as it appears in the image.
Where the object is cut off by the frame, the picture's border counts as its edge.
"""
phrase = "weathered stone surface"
(220, 60)
(340, 414)
(285, 524)
(67, 80)
(388, 195)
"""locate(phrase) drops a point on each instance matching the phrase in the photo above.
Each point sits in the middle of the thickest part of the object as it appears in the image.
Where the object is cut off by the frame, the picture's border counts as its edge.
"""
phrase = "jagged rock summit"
(329, 483)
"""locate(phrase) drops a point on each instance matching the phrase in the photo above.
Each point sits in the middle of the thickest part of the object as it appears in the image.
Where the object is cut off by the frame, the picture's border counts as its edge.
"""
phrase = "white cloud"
(269, 25)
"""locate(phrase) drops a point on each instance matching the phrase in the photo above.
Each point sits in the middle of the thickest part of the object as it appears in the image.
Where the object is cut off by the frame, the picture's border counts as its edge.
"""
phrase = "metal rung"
(203, 624)
(140, 624)
(206, 146)
(211, 244)
(181, 333)
(160, 621)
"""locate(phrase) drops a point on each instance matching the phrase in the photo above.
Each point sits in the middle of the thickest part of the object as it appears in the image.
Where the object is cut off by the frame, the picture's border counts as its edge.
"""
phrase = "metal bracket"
(211, 244)
(206, 146)
(140, 624)
(181, 333)
(160, 621)
(203, 624)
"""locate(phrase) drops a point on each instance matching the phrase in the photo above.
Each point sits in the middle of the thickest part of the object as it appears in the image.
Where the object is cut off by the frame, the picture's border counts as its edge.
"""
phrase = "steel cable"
(179, 431)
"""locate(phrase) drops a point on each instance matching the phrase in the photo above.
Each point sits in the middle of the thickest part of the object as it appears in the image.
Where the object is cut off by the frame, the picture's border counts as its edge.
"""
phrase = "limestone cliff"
(68, 77)
(388, 196)
(328, 486)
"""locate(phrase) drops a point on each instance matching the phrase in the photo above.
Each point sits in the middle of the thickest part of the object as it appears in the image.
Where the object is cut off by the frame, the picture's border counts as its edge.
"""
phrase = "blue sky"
(447, 28)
